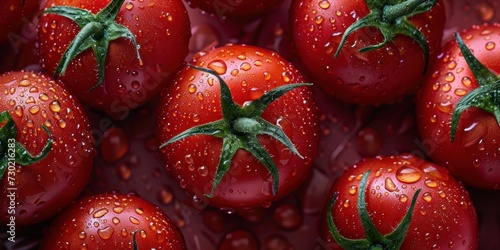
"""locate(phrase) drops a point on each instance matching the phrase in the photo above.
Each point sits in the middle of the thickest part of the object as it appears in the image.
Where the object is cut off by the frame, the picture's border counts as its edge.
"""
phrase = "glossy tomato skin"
(194, 99)
(162, 30)
(381, 76)
(474, 156)
(45, 187)
(444, 216)
(107, 221)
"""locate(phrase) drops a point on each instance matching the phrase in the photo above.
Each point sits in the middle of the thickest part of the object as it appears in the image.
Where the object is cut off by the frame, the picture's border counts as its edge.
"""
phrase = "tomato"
(418, 202)
(113, 221)
(136, 47)
(16, 16)
(367, 62)
(266, 149)
(236, 10)
(51, 137)
(457, 114)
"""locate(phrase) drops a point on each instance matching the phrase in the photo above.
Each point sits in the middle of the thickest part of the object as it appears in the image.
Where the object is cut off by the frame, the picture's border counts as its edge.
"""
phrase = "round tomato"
(251, 138)
(399, 201)
(46, 147)
(367, 52)
(457, 106)
(114, 56)
(113, 221)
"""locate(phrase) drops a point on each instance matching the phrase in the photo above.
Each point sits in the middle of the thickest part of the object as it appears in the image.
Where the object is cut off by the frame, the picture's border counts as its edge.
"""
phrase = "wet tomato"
(458, 111)
(46, 147)
(113, 221)
(367, 52)
(399, 202)
(113, 55)
(252, 132)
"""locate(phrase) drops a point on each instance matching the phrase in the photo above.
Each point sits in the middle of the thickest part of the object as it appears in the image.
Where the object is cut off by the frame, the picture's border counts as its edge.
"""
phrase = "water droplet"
(106, 232)
(135, 84)
(353, 189)
(129, 5)
(473, 134)
(235, 72)
(25, 83)
(431, 183)
(324, 4)
(34, 109)
(389, 185)
(403, 198)
(408, 174)
(115, 220)
(257, 63)
(452, 64)
(267, 76)
(347, 203)
(100, 213)
(61, 123)
(218, 66)
(285, 77)
(203, 171)
(245, 66)
(118, 210)
(490, 45)
(134, 220)
(427, 197)
(191, 88)
(82, 235)
(55, 106)
(255, 93)
(466, 81)
(189, 159)
(460, 92)
(446, 87)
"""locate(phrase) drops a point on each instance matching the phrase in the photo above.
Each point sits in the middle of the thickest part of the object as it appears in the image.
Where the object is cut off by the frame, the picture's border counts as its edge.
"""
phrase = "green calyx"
(134, 240)
(374, 239)
(12, 152)
(391, 18)
(96, 33)
(239, 129)
(485, 97)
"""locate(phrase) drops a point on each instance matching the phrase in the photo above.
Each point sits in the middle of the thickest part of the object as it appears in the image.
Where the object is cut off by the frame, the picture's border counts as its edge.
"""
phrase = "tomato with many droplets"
(373, 77)
(43, 188)
(472, 152)
(195, 99)
(443, 215)
(132, 75)
(109, 221)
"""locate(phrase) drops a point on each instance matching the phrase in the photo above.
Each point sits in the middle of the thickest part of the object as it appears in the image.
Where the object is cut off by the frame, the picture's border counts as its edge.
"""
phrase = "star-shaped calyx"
(96, 33)
(485, 97)
(12, 151)
(391, 18)
(374, 239)
(239, 129)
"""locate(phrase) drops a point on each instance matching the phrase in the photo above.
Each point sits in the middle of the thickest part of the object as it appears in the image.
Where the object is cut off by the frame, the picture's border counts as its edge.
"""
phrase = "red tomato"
(443, 215)
(52, 127)
(160, 28)
(473, 156)
(110, 221)
(236, 10)
(383, 75)
(195, 99)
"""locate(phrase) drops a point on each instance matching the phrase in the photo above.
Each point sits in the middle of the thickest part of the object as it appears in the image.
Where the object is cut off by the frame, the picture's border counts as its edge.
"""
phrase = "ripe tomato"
(112, 221)
(471, 153)
(372, 67)
(121, 79)
(236, 10)
(205, 163)
(54, 148)
(382, 191)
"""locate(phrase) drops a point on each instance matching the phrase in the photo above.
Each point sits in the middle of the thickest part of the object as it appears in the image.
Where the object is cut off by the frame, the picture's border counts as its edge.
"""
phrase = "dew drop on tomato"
(408, 174)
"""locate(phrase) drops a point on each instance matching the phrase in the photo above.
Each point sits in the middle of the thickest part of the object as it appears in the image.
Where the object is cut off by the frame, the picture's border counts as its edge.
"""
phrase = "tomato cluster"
(249, 124)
